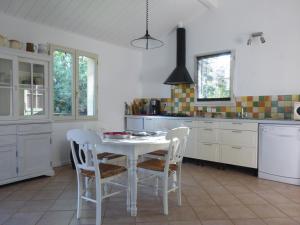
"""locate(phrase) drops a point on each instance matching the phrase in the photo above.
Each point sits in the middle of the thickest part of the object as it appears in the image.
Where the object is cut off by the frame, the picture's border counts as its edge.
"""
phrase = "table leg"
(133, 186)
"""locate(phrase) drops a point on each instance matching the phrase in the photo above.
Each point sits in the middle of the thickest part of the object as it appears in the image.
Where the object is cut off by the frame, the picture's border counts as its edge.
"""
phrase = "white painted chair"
(89, 167)
(170, 166)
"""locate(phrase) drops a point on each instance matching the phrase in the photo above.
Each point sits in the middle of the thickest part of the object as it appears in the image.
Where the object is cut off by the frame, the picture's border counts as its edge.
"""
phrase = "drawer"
(208, 124)
(8, 129)
(239, 126)
(188, 123)
(207, 135)
(208, 152)
(34, 128)
(238, 138)
(240, 156)
(8, 140)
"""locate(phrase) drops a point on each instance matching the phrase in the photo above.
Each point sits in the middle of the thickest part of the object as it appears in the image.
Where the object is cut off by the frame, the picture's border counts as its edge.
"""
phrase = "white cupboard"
(213, 140)
(25, 150)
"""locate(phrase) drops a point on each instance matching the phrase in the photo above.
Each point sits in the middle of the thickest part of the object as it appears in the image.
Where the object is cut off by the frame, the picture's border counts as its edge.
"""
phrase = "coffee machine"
(154, 107)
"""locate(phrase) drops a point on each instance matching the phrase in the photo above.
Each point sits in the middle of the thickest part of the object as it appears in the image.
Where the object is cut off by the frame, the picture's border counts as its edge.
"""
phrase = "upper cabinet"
(24, 84)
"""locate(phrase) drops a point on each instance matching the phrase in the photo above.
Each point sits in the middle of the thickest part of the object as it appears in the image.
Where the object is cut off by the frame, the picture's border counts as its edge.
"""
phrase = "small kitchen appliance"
(154, 107)
(297, 111)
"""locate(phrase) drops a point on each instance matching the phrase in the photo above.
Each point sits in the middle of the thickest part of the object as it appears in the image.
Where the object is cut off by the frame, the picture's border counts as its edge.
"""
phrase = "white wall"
(119, 70)
(272, 68)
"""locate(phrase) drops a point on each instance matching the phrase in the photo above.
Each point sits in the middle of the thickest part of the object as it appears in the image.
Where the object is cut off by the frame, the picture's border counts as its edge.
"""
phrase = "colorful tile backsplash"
(257, 107)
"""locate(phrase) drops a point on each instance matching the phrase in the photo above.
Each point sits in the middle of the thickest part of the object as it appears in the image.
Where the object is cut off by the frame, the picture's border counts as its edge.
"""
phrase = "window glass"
(214, 77)
(86, 85)
(62, 83)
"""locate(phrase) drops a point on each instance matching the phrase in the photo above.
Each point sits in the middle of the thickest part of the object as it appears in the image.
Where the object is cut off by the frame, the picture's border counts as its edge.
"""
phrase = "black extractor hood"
(180, 74)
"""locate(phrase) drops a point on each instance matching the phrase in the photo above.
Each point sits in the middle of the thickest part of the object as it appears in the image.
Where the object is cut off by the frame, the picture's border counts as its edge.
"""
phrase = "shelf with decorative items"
(24, 84)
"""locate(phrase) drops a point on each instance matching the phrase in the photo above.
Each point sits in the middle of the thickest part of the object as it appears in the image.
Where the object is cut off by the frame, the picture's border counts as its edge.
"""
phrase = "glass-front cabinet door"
(6, 86)
(32, 88)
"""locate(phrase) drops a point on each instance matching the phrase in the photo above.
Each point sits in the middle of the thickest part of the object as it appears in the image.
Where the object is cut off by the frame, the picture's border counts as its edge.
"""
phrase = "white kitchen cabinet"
(231, 142)
(25, 150)
(239, 155)
(191, 147)
(34, 153)
(8, 162)
(208, 152)
(134, 124)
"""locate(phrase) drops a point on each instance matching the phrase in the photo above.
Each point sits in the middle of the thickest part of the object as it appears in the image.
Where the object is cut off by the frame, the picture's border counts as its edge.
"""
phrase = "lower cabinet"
(208, 152)
(34, 153)
(240, 156)
(191, 145)
(8, 162)
(25, 151)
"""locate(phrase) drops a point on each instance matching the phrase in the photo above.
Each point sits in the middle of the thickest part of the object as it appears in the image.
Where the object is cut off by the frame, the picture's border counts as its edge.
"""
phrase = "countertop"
(31, 121)
(235, 120)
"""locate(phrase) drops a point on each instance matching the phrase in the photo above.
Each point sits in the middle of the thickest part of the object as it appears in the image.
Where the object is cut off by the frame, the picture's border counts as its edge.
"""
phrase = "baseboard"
(61, 163)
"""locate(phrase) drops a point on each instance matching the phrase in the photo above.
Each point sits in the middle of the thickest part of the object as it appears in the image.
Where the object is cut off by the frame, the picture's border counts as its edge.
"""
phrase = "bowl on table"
(117, 135)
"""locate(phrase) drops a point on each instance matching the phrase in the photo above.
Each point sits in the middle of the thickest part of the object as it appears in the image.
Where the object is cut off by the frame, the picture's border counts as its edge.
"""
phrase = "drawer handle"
(236, 131)
(236, 147)
(207, 129)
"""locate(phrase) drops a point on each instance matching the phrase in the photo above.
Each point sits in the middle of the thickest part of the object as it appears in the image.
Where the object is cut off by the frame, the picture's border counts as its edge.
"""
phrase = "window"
(214, 77)
(74, 84)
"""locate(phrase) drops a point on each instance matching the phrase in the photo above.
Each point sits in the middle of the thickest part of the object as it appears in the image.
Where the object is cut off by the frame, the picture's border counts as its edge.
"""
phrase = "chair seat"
(160, 153)
(108, 156)
(156, 165)
(106, 170)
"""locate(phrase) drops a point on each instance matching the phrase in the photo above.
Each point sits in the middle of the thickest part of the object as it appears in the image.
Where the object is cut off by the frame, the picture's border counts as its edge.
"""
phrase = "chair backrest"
(86, 141)
(178, 140)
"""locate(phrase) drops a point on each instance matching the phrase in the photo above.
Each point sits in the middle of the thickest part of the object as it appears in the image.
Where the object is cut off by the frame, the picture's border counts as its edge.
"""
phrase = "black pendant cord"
(147, 16)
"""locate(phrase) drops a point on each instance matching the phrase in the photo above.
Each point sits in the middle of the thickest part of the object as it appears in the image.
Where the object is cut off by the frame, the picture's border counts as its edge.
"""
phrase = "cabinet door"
(135, 124)
(150, 124)
(191, 146)
(208, 152)
(6, 84)
(8, 162)
(34, 153)
(33, 88)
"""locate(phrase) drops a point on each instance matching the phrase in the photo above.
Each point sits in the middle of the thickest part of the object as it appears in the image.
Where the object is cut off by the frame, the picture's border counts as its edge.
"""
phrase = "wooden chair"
(89, 167)
(164, 168)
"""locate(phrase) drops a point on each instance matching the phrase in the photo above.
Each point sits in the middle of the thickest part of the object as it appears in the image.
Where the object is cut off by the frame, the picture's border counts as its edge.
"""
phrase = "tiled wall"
(259, 107)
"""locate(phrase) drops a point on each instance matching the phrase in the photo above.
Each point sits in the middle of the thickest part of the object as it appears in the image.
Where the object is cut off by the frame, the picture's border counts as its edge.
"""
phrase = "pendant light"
(147, 42)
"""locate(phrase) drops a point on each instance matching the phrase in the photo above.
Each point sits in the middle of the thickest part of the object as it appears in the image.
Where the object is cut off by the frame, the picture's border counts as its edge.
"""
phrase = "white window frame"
(230, 102)
(75, 85)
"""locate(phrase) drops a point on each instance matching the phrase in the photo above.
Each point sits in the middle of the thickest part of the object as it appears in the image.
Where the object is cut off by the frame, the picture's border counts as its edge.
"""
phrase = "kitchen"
(263, 90)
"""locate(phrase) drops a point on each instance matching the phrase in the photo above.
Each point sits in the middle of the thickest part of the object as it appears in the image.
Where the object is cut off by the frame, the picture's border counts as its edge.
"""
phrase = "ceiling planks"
(116, 21)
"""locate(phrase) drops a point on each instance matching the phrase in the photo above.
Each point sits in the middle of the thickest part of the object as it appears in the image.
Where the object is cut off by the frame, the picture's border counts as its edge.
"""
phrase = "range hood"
(180, 74)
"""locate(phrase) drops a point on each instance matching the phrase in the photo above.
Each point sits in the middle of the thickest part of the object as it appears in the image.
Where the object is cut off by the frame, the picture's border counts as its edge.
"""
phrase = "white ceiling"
(115, 21)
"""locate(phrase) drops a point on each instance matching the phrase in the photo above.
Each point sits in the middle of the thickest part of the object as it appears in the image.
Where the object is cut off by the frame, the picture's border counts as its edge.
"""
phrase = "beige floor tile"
(9, 206)
(237, 189)
(184, 223)
(24, 218)
(210, 213)
(21, 195)
(37, 206)
(251, 198)
(266, 211)
(47, 195)
(238, 212)
(280, 221)
(204, 200)
(248, 222)
(153, 223)
(182, 214)
(291, 209)
(275, 198)
(5, 194)
(216, 222)
(67, 204)
(297, 219)
(4, 216)
(57, 218)
(227, 199)
(149, 215)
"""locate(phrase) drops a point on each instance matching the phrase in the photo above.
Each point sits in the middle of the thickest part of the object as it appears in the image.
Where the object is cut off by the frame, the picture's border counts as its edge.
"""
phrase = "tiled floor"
(210, 197)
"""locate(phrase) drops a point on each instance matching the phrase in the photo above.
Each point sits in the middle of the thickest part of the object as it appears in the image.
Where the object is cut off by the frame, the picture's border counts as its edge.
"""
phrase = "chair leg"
(178, 173)
(165, 196)
(79, 194)
(156, 186)
(175, 180)
(98, 204)
(128, 194)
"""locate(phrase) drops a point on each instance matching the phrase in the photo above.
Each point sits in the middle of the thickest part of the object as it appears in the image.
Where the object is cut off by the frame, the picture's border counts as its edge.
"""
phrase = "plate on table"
(143, 134)
(116, 135)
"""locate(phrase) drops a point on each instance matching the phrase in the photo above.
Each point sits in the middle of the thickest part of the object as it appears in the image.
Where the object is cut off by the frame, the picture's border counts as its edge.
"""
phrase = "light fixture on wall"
(255, 35)
(147, 41)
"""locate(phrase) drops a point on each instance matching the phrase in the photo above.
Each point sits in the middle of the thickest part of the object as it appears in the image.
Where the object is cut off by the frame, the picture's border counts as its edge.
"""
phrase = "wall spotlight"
(255, 35)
